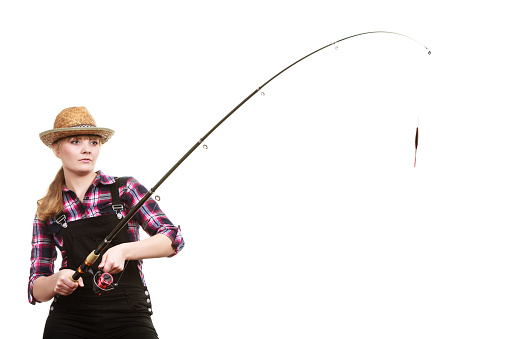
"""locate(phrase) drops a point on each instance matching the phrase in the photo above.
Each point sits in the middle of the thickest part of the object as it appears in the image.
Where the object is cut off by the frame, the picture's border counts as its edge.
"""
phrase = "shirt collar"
(103, 179)
(100, 178)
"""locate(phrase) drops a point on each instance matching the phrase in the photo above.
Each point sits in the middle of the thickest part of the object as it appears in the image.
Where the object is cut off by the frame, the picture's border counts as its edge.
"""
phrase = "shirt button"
(146, 292)
(149, 309)
(148, 301)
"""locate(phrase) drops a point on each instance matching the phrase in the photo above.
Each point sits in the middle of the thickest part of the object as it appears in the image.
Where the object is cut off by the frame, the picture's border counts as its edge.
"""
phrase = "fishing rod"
(104, 279)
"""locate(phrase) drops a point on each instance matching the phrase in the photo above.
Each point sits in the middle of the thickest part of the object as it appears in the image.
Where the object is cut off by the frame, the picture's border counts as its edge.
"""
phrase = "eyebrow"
(80, 137)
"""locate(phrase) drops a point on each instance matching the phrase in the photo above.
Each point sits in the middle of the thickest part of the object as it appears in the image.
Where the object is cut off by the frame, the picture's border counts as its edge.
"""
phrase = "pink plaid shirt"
(149, 217)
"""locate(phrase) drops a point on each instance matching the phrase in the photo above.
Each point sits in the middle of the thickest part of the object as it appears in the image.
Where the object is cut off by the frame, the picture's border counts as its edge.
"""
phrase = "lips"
(85, 160)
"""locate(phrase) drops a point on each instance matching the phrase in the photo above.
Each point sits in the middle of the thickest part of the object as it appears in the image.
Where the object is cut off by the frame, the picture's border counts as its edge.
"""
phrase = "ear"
(56, 150)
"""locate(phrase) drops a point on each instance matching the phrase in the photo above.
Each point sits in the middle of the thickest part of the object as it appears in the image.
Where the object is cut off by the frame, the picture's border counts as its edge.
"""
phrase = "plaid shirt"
(149, 217)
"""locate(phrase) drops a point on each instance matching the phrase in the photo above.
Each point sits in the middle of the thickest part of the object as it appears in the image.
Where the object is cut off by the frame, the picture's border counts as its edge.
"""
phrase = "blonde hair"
(53, 203)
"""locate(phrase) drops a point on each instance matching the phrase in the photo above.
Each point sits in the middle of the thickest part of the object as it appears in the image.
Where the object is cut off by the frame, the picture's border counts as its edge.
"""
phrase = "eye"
(74, 141)
(94, 142)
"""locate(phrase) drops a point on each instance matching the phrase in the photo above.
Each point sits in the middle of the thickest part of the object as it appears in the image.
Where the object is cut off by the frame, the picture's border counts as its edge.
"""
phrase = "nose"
(85, 150)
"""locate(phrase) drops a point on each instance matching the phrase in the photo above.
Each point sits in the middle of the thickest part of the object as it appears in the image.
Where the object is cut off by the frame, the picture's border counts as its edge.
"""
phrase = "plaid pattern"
(95, 203)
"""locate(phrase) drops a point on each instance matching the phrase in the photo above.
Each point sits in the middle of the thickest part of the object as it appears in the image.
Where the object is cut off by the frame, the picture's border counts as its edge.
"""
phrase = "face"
(78, 154)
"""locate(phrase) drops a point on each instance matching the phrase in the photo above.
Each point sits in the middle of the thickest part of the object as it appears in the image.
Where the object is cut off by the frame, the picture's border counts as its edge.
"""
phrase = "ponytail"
(52, 203)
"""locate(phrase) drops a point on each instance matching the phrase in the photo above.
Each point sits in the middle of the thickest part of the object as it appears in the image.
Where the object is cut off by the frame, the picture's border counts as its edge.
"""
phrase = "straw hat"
(74, 121)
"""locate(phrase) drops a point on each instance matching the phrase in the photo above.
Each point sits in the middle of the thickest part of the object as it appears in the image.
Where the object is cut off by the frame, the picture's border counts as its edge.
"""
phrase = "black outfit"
(123, 312)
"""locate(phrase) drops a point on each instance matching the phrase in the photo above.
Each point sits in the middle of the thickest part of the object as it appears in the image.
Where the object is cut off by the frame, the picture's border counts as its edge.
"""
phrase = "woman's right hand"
(64, 284)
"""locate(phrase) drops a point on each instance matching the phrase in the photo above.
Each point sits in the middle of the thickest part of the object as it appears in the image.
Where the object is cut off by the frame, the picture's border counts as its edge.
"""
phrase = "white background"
(305, 216)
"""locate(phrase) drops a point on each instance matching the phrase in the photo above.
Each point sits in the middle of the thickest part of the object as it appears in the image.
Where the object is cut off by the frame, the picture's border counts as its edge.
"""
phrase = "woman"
(79, 210)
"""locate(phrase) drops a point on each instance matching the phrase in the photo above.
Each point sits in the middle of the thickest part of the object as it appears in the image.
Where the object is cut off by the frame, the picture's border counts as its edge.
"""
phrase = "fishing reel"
(102, 282)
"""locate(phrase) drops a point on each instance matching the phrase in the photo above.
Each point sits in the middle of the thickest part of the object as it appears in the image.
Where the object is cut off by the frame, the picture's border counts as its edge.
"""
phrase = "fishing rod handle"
(89, 261)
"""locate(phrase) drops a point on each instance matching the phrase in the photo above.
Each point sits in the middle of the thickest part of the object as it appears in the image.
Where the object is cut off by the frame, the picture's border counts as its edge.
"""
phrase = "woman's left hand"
(113, 260)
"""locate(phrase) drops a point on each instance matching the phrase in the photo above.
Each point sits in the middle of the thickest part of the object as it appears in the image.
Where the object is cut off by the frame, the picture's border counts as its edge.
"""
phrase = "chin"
(81, 171)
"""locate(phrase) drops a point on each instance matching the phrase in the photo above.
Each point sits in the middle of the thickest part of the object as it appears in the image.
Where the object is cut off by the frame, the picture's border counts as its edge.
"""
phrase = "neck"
(79, 184)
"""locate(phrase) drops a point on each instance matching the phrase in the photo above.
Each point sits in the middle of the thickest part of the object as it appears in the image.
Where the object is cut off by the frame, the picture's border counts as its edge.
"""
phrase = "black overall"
(123, 312)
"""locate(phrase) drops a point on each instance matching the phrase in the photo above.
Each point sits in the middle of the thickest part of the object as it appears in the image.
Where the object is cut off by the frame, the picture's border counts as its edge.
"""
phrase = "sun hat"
(74, 121)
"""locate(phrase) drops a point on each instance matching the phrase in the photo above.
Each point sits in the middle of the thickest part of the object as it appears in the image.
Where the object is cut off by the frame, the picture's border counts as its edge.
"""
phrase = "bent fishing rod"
(92, 257)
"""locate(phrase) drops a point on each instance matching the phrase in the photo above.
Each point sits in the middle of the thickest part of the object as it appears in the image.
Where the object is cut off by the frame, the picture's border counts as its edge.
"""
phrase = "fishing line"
(92, 257)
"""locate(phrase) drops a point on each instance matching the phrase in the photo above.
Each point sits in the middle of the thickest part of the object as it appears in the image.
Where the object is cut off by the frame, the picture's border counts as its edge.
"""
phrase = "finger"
(103, 261)
(64, 289)
(67, 282)
(70, 282)
(106, 266)
(71, 278)
(111, 268)
(115, 269)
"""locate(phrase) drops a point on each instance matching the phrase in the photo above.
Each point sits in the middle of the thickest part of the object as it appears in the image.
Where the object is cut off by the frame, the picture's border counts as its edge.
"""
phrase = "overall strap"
(116, 204)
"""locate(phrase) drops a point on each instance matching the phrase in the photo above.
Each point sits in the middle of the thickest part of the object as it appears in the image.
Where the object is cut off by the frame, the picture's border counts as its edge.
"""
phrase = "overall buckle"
(62, 221)
(118, 208)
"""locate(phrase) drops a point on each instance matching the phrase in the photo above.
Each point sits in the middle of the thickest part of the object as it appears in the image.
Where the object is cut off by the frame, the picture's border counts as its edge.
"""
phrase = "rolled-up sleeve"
(150, 216)
(43, 256)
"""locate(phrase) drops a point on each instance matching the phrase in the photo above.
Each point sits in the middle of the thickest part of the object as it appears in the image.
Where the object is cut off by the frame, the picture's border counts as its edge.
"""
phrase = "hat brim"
(49, 137)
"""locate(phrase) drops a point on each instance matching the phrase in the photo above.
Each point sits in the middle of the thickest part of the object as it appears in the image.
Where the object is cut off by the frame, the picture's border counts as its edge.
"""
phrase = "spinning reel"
(103, 282)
